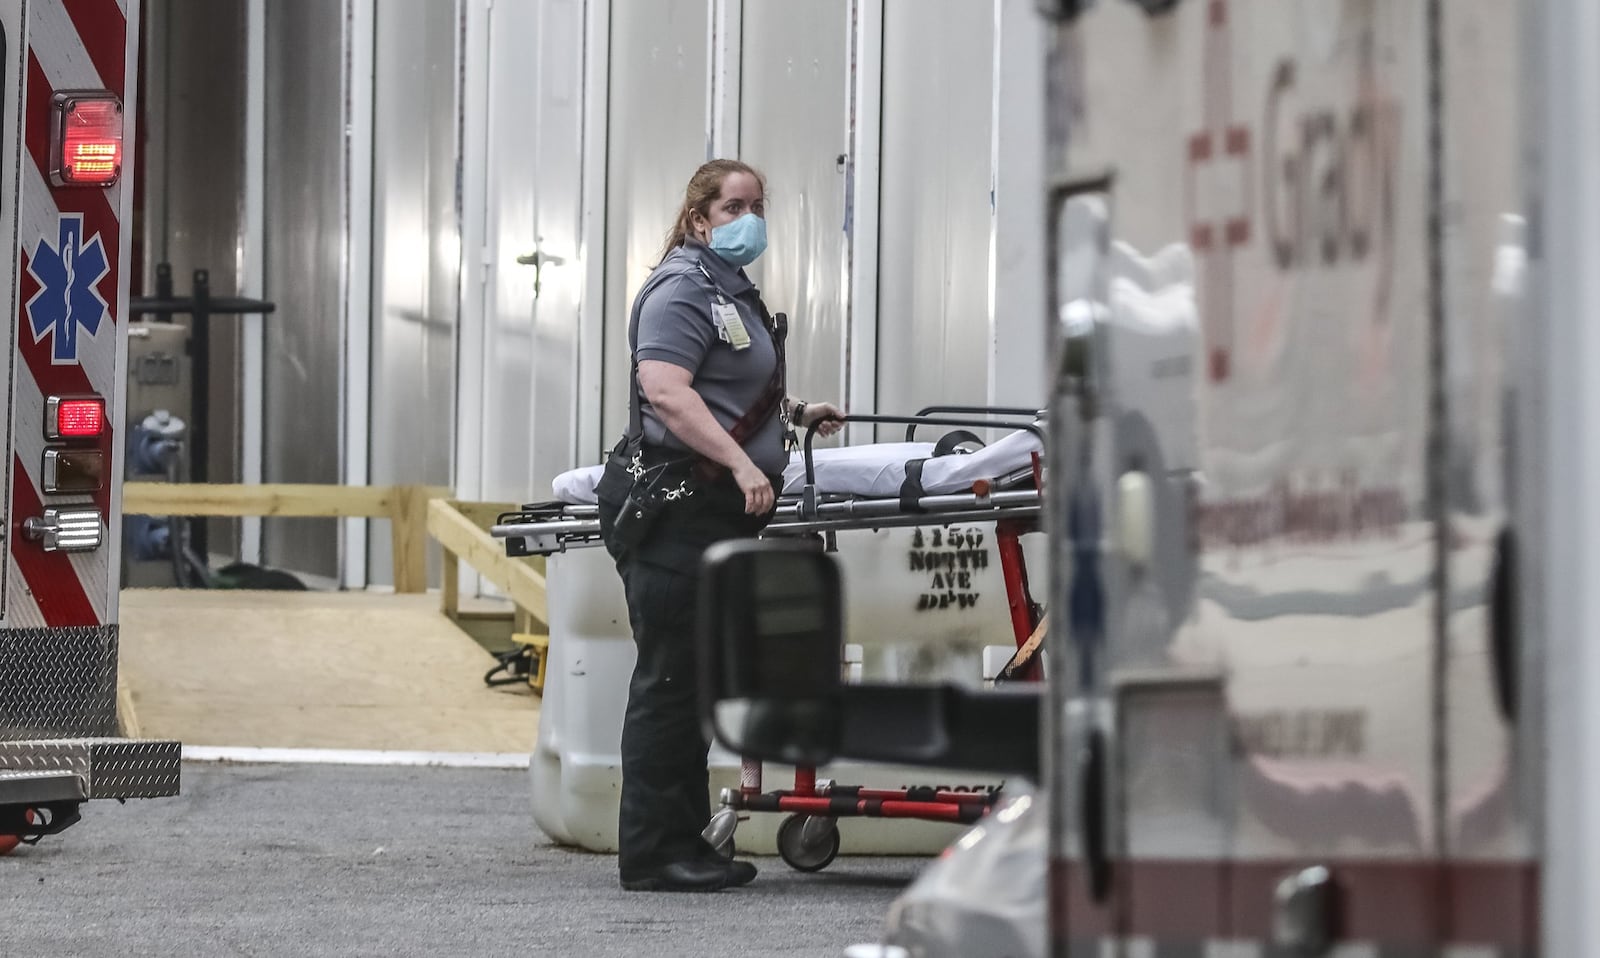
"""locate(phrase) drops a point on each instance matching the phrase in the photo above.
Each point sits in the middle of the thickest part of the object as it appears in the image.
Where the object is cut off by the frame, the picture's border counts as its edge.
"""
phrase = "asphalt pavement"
(334, 860)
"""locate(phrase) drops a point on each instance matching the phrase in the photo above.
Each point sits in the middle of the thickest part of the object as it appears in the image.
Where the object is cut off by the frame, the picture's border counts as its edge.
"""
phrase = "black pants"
(665, 786)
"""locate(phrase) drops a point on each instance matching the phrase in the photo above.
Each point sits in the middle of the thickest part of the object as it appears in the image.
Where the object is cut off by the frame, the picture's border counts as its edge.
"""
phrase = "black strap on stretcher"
(911, 491)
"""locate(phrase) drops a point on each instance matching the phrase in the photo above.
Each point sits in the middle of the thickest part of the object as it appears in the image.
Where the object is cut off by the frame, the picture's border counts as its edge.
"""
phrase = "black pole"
(201, 307)
(164, 283)
(199, 399)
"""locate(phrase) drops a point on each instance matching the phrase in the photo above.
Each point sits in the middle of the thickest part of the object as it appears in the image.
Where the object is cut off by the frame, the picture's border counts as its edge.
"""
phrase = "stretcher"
(954, 479)
(871, 486)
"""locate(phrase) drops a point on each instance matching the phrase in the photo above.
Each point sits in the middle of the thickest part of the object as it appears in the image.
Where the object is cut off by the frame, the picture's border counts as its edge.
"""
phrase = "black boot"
(684, 876)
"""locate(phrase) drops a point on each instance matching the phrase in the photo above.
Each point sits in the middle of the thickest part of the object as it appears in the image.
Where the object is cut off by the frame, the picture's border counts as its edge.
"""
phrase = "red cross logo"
(1217, 184)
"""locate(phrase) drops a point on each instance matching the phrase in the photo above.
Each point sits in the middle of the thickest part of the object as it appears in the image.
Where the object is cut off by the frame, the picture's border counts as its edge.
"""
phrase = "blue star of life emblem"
(67, 298)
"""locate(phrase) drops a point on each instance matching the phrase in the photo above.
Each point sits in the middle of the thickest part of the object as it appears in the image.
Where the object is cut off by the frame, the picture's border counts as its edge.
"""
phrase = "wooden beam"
(450, 593)
(406, 507)
(409, 525)
(206, 499)
(482, 515)
(521, 579)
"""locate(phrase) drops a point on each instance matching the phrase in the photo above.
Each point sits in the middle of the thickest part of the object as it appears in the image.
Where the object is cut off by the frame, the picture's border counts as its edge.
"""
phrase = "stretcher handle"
(984, 423)
(911, 430)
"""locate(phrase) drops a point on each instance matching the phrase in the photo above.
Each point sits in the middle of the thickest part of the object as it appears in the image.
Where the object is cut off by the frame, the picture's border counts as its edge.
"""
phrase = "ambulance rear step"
(42, 782)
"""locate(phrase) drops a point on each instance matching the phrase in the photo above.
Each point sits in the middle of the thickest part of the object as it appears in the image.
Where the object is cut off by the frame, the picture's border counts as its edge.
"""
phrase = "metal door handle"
(539, 259)
(61, 530)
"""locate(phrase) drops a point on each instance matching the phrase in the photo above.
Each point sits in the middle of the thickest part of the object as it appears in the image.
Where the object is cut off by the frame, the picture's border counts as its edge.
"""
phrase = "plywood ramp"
(343, 670)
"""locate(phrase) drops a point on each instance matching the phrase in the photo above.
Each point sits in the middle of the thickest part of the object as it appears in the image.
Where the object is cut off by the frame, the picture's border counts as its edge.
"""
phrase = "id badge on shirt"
(729, 326)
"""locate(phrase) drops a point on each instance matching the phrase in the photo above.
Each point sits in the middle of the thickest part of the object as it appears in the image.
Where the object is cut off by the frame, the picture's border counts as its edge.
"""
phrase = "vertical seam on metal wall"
(877, 217)
(852, 81)
(252, 279)
(459, 202)
(714, 64)
(738, 112)
(603, 241)
(352, 560)
(165, 231)
(575, 447)
(1438, 454)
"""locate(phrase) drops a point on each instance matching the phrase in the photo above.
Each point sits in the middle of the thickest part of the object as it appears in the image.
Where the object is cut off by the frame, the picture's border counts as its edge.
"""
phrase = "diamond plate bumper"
(57, 683)
(106, 767)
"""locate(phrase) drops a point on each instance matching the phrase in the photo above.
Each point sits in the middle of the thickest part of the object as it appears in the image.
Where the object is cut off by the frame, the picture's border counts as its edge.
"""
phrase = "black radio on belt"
(639, 513)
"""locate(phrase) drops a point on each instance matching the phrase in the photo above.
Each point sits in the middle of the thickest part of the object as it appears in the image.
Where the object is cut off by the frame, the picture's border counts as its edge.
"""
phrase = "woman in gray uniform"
(700, 463)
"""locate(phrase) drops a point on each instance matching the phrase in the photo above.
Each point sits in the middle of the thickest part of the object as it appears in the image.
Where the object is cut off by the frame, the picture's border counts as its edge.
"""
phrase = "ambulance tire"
(804, 856)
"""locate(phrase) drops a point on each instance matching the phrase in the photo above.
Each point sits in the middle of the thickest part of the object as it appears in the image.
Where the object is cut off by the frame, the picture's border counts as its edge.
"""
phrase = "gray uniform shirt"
(673, 321)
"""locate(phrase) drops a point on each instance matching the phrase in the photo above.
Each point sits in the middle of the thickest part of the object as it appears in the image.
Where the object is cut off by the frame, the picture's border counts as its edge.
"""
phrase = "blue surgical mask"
(740, 242)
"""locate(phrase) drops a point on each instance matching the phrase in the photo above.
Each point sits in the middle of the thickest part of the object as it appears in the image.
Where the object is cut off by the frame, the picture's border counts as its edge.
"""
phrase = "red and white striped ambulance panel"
(67, 79)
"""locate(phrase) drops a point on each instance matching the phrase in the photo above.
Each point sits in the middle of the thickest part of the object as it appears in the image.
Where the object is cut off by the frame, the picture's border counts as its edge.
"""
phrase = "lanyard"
(722, 298)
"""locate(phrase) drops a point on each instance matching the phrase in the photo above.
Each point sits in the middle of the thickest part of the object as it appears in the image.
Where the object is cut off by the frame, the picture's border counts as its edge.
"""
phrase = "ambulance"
(68, 73)
(1322, 654)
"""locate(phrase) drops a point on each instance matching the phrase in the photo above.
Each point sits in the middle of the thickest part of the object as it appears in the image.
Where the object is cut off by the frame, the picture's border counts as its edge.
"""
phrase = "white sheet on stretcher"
(872, 471)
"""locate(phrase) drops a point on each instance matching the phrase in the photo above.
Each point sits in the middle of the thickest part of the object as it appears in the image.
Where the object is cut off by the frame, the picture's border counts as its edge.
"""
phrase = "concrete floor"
(330, 860)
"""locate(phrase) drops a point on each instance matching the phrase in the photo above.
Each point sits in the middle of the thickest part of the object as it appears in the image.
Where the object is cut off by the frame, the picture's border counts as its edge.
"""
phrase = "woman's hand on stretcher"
(825, 415)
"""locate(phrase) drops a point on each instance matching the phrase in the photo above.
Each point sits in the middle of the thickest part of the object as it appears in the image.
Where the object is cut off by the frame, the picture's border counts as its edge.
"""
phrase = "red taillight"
(88, 142)
(75, 418)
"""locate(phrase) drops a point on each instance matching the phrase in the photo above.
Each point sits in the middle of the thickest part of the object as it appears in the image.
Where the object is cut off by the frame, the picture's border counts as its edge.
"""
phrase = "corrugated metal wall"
(933, 299)
(504, 371)
(793, 126)
(416, 251)
(306, 232)
(792, 65)
(658, 133)
(558, 232)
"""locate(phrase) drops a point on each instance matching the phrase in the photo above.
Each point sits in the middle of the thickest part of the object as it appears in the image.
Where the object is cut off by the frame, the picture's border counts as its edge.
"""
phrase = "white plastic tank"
(922, 604)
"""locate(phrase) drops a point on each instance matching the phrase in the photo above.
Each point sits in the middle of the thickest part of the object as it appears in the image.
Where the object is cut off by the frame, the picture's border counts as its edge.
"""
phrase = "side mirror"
(771, 617)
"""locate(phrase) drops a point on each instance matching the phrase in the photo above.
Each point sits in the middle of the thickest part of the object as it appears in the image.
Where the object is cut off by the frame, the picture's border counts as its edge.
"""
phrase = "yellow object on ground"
(333, 670)
(539, 647)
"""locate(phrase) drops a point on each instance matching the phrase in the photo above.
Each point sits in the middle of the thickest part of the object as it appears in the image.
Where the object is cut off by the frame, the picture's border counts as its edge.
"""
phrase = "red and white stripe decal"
(72, 44)
(102, 26)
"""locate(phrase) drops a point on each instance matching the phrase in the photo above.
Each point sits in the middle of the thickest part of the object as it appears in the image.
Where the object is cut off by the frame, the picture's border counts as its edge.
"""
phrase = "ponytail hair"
(703, 189)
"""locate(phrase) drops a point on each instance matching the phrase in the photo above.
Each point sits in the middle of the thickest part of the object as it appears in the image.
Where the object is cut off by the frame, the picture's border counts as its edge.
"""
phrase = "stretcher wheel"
(726, 849)
(808, 843)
